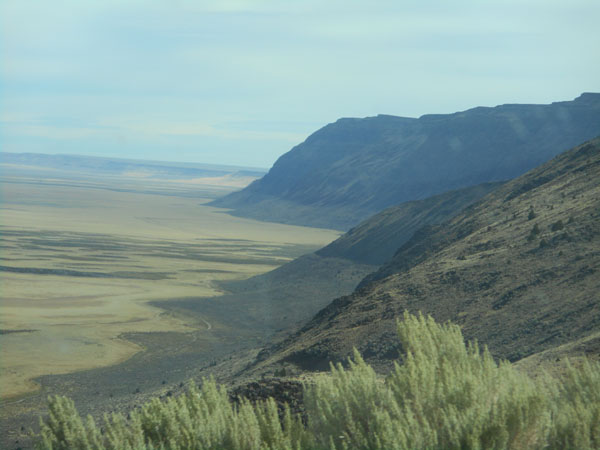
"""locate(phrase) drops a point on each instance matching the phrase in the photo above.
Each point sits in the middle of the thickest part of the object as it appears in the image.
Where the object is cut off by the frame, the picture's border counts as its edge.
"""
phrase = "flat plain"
(81, 259)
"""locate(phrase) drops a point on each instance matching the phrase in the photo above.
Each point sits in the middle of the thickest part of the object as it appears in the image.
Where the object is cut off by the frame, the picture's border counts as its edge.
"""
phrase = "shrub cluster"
(445, 395)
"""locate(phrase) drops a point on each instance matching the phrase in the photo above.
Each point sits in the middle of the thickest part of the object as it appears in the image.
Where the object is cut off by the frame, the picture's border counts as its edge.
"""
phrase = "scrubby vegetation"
(446, 394)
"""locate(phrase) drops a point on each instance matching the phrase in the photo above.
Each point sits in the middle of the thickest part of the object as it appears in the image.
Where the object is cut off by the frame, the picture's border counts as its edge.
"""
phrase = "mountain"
(353, 168)
(519, 271)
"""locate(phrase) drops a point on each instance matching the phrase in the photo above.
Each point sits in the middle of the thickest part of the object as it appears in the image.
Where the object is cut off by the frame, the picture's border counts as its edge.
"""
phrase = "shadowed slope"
(375, 240)
(282, 299)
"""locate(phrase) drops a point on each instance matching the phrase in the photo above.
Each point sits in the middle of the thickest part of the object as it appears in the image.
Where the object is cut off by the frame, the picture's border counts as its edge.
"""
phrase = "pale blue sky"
(241, 82)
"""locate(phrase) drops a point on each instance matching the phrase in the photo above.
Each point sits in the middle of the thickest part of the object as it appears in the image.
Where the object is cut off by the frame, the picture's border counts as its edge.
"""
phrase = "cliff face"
(353, 168)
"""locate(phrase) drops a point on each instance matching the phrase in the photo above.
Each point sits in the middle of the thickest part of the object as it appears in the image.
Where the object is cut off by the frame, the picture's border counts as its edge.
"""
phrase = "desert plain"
(81, 260)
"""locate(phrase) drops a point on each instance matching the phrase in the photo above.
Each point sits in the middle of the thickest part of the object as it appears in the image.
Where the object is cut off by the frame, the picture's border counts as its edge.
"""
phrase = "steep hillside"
(353, 168)
(519, 271)
(376, 239)
(281, 300)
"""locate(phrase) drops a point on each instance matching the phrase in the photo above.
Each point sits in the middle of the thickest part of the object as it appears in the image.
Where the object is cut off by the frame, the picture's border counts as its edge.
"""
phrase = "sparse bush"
(558, 225)
(533, 233)
(532, 215)
(280, 373)
(446, 395)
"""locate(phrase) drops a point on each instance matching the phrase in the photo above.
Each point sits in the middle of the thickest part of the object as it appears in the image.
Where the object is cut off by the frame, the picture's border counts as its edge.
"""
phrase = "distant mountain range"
(120, 166)
(353, 168)
(518, 270)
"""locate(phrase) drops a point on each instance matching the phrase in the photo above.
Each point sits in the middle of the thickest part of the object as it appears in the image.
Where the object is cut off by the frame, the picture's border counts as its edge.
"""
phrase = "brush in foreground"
(445, 395)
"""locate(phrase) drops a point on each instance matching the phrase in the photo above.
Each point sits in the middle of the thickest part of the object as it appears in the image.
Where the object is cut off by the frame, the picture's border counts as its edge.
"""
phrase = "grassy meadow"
(81, 259)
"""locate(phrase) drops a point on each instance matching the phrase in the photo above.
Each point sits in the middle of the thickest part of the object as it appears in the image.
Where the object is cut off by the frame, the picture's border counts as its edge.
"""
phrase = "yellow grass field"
(80, 262)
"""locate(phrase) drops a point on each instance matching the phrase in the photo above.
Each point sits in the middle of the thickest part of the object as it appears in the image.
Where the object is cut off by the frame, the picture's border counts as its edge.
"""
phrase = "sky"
(242, 82)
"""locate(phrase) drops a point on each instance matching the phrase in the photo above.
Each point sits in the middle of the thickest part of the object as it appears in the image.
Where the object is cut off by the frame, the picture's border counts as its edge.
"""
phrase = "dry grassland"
(79, 264)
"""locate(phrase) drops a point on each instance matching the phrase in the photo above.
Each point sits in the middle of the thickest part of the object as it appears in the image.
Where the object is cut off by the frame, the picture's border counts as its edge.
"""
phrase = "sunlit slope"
(518, 271)
(353, 168)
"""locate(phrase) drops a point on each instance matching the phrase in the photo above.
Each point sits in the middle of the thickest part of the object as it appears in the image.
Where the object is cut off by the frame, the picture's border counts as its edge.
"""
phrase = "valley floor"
(80, 263)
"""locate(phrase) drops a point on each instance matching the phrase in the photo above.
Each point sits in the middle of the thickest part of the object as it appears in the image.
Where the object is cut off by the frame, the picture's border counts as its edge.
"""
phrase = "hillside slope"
(284, 298)
(353, 168)
(519, 271)
(376, 239)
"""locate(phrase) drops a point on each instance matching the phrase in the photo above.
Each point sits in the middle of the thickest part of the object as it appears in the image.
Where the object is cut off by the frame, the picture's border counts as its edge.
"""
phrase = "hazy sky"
(241, 82)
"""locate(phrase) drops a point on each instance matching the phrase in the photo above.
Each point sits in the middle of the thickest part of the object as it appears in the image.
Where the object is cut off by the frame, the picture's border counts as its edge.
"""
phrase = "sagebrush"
(446, 394)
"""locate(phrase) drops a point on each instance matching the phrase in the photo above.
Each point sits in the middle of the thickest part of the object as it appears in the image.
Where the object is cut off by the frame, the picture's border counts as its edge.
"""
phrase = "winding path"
(208, 325)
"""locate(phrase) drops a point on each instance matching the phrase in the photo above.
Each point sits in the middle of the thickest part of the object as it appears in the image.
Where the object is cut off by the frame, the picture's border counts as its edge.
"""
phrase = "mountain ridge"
(353, 168)
(103, 164)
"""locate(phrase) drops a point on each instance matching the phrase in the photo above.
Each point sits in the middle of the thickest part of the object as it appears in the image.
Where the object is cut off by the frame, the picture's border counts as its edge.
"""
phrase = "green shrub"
(445, 395)
(576, 409)
(201, 419)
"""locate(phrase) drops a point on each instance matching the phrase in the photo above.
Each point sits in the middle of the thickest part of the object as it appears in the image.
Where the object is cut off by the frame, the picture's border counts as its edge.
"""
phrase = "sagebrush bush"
(444, 395)
(201, 419)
